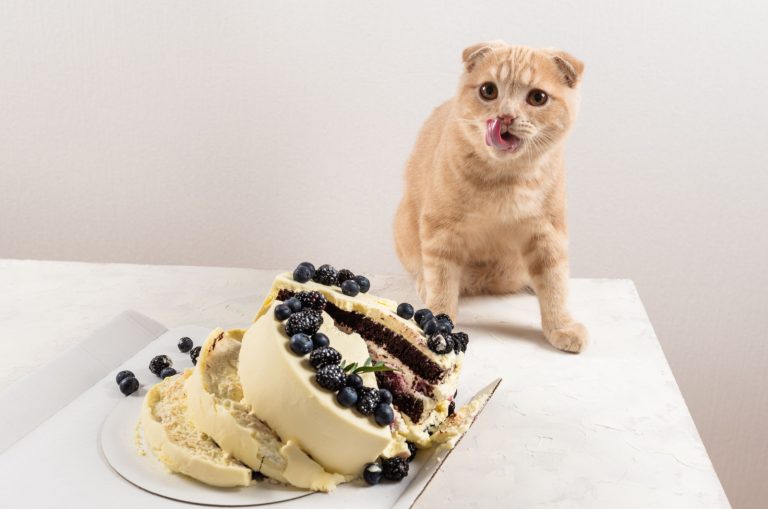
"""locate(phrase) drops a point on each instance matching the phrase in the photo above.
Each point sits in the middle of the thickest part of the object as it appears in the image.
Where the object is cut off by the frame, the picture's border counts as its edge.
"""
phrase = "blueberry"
(123, 375)
(159, 363)
(429, 326)
(129, 385)
(282, 311)
(364, 283)
(194, 354)
(373, 473)
(347, 397)
(310, 267)
(350, 287)
(444, 327)
(384, 414)
(302, 274)
(301, 344)
(320, 340)
(420, 314)
(385, 396)
(165, 373)
(354, 380)
(294, 304)
(185, 344)
(405, 310)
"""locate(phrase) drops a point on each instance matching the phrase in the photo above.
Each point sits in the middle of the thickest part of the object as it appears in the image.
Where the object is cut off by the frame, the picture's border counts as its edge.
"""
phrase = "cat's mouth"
(497, 135)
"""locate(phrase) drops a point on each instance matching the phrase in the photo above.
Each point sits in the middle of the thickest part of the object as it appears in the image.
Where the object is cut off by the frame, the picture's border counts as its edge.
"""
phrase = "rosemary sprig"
(368, 367)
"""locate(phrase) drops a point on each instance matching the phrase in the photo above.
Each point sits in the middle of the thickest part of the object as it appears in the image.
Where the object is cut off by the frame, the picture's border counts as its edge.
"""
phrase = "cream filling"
(177, 442)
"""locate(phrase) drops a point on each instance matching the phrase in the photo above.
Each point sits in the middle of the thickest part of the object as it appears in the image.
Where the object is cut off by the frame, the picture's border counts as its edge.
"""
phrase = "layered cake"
(328, 384)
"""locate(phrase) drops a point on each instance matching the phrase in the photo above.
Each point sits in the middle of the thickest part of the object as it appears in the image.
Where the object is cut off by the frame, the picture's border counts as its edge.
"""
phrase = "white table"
(607, 428)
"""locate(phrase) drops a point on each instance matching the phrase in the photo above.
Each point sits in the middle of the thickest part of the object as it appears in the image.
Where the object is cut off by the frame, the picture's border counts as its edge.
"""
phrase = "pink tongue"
(493, 135)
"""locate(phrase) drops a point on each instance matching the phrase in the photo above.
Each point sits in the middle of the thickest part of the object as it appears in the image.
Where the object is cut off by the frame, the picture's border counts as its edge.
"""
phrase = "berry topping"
(301, 344)
(307, 321)
(294, 304)
(460, 341)
(451, 408)
(405, 310)
(185, 344)
(383, 414)
(320, 340)
(345, 275)
(325, 356)
(394, 469)
(123, 375)
(257, 476)
(440, 343)
(159, 363)
(373, 473)
(350, 287)
(444, 317)
(331, 377)
(385, 396)
(326, 275)
(166, 372)
(282, 311)
(302, 274)
(194, 354)
(364, 283)
(129, 385)
(368, 400)
(412, 449)
(312, 300)
(354, 380)
(310, 267)
(429, 326)
(421, 314)
(347, 397)
(444, 327)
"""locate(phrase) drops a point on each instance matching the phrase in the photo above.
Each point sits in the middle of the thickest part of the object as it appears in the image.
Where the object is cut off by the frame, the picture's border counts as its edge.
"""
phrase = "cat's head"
(516, 102)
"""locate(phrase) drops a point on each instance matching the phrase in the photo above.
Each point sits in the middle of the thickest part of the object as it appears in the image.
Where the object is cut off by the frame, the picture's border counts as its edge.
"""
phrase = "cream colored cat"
(484, 204)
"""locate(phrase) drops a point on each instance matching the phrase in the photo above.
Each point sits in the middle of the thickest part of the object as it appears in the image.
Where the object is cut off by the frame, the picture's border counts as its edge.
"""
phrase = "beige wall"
(259, 134)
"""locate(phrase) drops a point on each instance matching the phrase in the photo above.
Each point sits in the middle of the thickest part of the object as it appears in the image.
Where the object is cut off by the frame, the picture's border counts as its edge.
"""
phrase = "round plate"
(120, 442)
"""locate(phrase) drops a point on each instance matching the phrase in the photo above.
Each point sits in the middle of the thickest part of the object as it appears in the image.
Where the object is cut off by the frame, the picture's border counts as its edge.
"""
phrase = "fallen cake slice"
(216, 406)
(179, 444)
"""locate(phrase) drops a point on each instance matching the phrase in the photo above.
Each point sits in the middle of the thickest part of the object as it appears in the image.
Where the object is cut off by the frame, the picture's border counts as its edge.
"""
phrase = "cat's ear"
(570, 67)
(473, 54)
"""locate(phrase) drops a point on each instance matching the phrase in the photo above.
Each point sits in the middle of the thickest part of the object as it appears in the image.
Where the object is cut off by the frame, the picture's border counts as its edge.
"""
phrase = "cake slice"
(216, 406)
(179, 444)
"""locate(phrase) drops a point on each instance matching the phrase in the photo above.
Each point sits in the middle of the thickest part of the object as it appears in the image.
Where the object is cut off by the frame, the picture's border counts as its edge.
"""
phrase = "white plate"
(121, 445)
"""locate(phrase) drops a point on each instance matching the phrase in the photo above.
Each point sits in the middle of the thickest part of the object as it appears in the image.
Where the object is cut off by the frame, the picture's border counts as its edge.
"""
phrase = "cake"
(328, 384)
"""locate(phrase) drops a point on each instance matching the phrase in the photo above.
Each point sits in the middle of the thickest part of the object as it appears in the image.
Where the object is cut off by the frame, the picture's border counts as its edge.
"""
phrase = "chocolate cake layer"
(403, 401)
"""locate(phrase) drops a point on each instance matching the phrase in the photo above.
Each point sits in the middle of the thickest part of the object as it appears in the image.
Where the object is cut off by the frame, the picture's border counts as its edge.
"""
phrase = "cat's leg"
(546, 257)
(441, 270)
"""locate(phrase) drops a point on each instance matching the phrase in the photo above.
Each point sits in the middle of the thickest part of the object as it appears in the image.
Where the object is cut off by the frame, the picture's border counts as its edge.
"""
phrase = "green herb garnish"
(368, 367)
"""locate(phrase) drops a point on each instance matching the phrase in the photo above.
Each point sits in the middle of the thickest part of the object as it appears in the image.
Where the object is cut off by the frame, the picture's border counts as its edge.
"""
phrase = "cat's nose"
(507, 119)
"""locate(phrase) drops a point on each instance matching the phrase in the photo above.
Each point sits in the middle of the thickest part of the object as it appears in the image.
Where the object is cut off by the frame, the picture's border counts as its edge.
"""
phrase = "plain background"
(257, 134)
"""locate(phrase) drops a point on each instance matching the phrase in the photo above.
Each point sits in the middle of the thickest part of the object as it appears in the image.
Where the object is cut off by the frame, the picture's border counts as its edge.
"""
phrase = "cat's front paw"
(571, 338)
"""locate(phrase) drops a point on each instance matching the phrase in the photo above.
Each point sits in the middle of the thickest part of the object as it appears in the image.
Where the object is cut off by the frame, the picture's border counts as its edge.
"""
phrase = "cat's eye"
(488, 91)
(537, 97)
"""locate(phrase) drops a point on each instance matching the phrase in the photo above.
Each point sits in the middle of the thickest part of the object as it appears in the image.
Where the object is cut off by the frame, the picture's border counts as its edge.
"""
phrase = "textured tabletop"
(607, 428)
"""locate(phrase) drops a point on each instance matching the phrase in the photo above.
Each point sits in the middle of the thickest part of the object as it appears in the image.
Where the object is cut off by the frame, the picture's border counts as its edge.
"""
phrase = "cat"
(484, 205)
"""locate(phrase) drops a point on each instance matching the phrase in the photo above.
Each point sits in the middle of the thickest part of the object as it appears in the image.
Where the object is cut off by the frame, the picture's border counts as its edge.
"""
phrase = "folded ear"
(473, 54)
(569, 66)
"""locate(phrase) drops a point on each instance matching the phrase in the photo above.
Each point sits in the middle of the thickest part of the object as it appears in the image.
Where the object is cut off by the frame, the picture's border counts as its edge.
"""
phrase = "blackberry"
(307, 321)
(367, 401)
(384, 414)
(185, 344)
(347, 396)
(166, 372)
(354, 380)
(405, 310)
(282, 311)
(350, 287)
(320, 340)
(394, 469)
(326, 275)
(421, 314)
(373, 473)
(294, 304)
(451, 408)
(331, 377)
(460, 341)
(159, 363)
(312, 300)
(302, 274)
(440, 343)
(444, 317)
(129, 385)
(325, 356)
(257, 476)
(344, 275)
(412, 449)
(194, 354)
(364, 283)
(123, 375)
